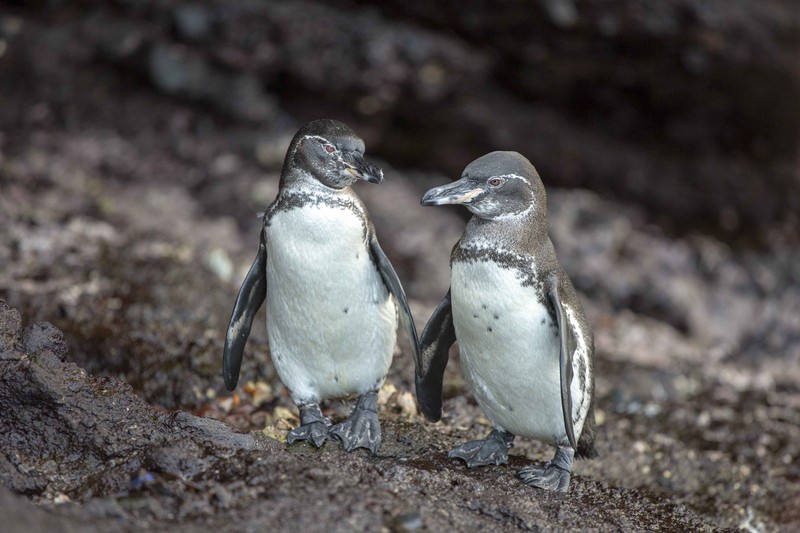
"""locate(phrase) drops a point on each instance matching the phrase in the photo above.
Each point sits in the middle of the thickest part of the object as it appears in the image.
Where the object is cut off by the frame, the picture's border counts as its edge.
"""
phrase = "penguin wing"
(251, 296)
(437, 338)
(392, 283)
(568, 345)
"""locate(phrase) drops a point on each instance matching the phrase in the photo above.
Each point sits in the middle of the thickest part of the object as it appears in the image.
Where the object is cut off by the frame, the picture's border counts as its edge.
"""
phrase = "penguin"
(332, 296)
(526, 347)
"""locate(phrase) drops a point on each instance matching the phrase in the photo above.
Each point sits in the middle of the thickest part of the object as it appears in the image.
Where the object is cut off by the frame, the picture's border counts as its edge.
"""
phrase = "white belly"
(509, 350)
(330, 319)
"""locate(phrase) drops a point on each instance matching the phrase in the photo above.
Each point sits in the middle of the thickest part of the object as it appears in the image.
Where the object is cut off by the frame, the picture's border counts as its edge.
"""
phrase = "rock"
(41, 337)
(60, 412)
(65, 432)
(192, 22)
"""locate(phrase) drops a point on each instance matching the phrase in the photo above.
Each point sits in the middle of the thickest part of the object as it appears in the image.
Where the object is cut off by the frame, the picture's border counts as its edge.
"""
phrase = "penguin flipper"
(568, 345)
(437, 338)
(251, 296)
(392, 283)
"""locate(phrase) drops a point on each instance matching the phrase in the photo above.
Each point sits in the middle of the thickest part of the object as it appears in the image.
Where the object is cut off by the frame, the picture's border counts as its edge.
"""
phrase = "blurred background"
(141, 139)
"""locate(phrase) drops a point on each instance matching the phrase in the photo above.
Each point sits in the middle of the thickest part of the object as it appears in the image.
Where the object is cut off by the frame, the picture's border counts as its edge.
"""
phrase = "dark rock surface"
(139, 141)
(73, 438)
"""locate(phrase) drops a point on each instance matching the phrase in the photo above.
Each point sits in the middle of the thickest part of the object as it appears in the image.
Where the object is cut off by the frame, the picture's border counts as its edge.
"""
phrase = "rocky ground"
(136, 152)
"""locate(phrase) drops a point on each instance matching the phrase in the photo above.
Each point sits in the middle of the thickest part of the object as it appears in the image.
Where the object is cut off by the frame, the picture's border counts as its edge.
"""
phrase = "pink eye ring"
(495, 182)
(330, 148)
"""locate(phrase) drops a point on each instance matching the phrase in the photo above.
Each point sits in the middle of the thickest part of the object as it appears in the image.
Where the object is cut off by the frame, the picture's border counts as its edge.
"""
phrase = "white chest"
(316, 236)
(509, 349)
(330, 319)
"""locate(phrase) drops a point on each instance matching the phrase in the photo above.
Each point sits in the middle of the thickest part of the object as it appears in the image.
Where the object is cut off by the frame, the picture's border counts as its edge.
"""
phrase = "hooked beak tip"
(372, 175)
(428, 199)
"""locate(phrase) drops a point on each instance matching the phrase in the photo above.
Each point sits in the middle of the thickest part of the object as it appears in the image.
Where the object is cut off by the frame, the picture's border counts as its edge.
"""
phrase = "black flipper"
(437, 338)
(251, 296)
(392, 283)
(568, 345)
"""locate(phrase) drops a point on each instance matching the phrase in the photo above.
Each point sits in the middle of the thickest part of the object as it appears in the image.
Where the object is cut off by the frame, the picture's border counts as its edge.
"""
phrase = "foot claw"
(492, 450)
(313, 426)
(547, 477)
(361, 429)
(553, 475)
(315, 432)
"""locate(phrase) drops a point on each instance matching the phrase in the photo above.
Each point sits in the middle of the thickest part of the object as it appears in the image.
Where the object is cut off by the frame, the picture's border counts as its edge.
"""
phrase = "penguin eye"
(330, 148)
(495, 182)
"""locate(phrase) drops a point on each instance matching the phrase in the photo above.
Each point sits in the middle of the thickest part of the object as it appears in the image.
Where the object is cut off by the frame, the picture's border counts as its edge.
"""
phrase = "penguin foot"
(553, 475)
(361, 429)
(492, 450)
(314, 427)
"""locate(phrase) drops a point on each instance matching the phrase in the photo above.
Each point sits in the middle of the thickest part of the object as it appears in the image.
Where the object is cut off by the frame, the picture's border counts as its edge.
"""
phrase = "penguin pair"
(333, 301)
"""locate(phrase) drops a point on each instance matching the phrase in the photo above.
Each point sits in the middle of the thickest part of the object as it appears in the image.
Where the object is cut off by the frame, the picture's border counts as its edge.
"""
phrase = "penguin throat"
(310, 182)
(491, 209)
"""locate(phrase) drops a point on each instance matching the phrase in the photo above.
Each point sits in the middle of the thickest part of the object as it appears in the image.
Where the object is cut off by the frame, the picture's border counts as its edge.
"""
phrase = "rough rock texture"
(140, 140)
(69, 437)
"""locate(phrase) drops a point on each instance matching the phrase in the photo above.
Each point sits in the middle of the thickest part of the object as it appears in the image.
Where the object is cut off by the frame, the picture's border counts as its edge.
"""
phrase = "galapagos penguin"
(526, 348)
(332, 296)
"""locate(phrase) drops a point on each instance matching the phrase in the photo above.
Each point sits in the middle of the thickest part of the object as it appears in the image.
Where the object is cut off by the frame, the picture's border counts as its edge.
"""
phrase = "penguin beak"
(356, 165)
(459, 192)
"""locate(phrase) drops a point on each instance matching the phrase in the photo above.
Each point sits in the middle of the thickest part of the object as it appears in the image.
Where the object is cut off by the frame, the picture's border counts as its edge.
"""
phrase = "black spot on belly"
(346, 310)
(489, 330)
(510, 407)
(496, 317)
(336, 378)
(474, 316)
(543, 321)
(484, 306)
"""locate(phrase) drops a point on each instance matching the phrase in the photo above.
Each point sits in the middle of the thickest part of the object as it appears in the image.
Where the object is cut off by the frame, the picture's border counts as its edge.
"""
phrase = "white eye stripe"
(314, 137)
(510, 176)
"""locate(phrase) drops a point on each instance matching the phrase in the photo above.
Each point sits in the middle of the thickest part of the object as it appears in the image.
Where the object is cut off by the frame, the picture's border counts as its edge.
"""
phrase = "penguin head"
(496, 185)
(332, 153)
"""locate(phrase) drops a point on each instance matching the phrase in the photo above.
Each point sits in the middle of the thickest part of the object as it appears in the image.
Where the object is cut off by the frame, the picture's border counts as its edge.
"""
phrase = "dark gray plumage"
(332, 296)
(526, 348)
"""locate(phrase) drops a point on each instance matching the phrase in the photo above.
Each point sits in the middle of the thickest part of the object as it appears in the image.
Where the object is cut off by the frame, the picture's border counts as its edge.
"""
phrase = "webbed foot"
(361, 429)
(313, 426)
(492, 450)
(553, 475)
